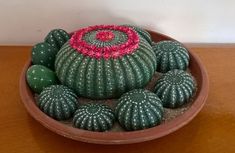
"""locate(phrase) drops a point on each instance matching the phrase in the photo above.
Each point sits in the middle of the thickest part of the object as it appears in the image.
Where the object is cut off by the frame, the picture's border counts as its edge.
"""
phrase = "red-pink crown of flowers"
(105, 34)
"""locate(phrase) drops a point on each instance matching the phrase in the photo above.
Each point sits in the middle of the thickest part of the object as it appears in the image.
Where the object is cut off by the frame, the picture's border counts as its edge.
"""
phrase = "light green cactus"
(39, 77)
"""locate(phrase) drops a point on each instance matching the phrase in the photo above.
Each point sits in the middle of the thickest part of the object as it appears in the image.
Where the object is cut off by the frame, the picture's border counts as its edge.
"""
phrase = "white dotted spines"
(139, 109)
(94, 117)
(106, 78)
(170, 55)
(175, 88)
(57, 38)
(58, 102)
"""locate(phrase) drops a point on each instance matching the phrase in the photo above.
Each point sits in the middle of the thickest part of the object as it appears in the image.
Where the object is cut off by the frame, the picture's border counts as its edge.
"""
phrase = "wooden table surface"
(212, 131)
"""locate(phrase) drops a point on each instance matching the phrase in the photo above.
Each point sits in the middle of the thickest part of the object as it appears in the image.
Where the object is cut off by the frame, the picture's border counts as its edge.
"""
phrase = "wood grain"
(212, 131)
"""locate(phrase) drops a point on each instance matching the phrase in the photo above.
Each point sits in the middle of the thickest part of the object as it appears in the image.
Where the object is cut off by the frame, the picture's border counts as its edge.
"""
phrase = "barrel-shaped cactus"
(39, 77)
(57, 38)
(44, 54)
(139, 109)
(175, 88)
(102, 62)
(170, 55)
(94, 117)
(58, 102)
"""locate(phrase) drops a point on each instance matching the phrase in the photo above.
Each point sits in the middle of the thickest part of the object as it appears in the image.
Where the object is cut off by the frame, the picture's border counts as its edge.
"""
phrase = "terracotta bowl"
(198, 71)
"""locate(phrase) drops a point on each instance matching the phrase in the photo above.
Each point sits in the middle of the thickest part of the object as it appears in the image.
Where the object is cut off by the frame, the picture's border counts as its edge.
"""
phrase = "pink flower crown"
(105, 34)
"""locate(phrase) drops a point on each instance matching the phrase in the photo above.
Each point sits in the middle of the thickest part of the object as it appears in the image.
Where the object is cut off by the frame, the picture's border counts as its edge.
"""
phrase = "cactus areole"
(104, 61)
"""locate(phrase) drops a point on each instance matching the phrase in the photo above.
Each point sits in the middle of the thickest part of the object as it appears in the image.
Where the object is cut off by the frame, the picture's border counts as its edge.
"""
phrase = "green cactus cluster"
(61, 73)
(43, 54)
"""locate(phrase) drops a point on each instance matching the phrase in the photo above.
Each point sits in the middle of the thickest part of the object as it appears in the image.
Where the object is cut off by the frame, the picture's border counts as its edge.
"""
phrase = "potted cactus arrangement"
(108, 78)
(109, 62)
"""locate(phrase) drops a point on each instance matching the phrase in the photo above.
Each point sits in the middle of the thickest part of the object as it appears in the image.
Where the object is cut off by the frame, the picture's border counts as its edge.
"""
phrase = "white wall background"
(28, 21)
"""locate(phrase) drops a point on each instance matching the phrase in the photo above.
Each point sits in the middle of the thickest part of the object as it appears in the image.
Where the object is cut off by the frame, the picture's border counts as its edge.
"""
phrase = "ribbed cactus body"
(44, 54)
(58, 102)
(106, 71)
(39, 77)
(170, 55)
(94, 117)
(142, 33)
(139, 109)
(56, 38)
(175, 88)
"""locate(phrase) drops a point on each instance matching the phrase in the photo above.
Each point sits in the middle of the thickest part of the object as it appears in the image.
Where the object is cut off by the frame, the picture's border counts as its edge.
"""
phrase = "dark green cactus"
(94, 117)
(105, 77)
(139, 109)
(58, 102)
(57, 38)
(170, 55)
(44, 54)
(175, 88)
(40, 77)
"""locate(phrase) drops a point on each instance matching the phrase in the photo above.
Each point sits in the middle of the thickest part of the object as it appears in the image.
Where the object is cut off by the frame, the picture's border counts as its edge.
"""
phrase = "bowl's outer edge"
(117, 137)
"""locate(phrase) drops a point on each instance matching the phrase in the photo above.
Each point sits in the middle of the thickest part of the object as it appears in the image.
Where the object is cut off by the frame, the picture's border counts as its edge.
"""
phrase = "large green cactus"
(139, 109)
(58, 102)
(170, 55)
(102, 62)
(175, 88)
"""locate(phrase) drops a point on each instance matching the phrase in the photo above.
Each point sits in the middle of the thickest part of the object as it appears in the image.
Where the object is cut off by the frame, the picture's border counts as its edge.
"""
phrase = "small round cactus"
(44, 54)
(175, 88)
(40, 77)
(57, 38)
(170, 55)
(139, 109)
(105, 61)
(94, 117)
(58, 102)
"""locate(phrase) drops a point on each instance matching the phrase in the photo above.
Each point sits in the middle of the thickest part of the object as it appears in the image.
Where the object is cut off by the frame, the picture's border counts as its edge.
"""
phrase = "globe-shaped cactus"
(58, 102)
(39, 77)
(170, 55)
(175, 88)
(57, 38)
(101, 62)
(44, 54)
(139, 109)
(94, 117)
